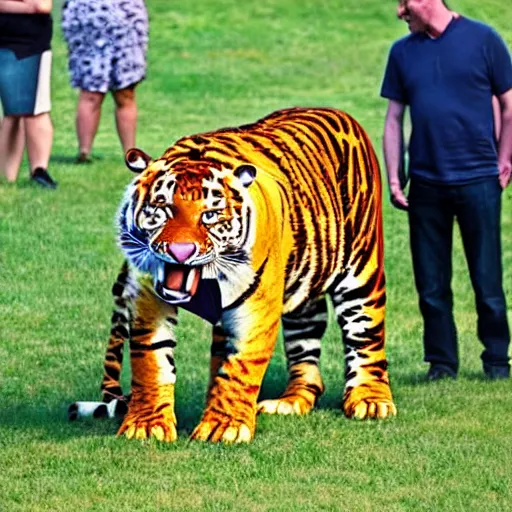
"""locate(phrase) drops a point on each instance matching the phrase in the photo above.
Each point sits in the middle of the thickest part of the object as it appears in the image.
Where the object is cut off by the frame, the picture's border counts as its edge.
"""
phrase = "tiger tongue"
(174, 279)
(184, 279)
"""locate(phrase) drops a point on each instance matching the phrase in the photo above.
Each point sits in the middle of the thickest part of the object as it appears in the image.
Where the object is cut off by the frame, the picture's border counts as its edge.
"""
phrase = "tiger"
(253, 228)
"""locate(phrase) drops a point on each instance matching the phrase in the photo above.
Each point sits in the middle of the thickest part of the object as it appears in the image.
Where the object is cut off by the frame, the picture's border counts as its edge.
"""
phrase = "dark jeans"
(477, 208)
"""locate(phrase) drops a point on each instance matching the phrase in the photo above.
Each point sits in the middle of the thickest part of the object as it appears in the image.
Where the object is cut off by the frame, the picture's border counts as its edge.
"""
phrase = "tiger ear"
(136, 160)
(246, 174)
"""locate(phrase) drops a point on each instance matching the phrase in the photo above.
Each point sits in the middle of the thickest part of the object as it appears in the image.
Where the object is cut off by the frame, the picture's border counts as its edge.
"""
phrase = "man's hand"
(398, 199)
(505, 174)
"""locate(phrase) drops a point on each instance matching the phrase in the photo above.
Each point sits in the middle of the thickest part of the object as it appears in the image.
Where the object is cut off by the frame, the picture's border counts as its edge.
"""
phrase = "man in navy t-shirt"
(447, 72)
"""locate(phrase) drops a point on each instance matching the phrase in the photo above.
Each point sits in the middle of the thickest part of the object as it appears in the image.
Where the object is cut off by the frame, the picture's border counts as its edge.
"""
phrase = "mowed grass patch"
(213, 65)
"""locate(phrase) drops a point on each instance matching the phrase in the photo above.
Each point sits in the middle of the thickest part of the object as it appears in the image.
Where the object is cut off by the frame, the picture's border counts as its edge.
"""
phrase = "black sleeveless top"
(25, 34)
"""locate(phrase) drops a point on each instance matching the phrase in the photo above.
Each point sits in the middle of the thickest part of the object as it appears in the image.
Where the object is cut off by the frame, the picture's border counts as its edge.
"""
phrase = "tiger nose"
(181, 251)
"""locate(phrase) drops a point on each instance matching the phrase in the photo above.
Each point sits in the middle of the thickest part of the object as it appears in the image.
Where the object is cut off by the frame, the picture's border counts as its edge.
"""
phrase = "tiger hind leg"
(302, 331)
(114, 403)
(120, 331)
(359, 304)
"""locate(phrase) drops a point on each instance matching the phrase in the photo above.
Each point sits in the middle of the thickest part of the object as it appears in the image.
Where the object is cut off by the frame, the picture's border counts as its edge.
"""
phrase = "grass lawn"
(213, 64)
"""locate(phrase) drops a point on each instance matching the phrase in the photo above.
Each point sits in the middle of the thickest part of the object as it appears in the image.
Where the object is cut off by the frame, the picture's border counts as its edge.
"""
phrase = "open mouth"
(177, 283)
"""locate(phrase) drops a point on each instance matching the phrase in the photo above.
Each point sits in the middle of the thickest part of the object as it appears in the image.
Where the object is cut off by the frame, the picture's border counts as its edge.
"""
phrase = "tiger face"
(185, 220)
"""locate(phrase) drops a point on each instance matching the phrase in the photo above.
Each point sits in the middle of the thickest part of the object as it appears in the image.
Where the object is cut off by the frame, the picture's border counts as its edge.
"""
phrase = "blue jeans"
(477, 208)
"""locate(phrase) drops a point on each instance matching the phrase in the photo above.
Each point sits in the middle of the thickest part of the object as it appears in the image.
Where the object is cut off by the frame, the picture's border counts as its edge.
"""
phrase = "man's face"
(415, 13)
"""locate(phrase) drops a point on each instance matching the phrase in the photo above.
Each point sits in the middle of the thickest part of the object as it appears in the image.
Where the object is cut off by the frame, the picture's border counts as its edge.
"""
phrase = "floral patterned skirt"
(107, 43)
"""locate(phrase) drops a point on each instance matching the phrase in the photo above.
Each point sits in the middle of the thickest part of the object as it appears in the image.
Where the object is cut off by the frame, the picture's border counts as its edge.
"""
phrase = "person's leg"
(431, 230)
(12, 144)
(479, 216)
(15, 88)
(88, 114)
(126, 116)
(39, 140)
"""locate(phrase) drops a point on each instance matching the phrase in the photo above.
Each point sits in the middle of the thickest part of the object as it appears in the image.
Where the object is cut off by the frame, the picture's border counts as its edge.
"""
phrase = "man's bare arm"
(496, 113)
(505, 139)
(393, 145)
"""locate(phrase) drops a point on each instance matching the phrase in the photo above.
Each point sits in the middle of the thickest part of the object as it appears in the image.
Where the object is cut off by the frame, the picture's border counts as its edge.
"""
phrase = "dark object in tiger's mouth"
(182, 285)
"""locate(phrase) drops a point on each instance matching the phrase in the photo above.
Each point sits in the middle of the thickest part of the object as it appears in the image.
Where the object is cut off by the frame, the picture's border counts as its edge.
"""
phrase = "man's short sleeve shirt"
(448, 83)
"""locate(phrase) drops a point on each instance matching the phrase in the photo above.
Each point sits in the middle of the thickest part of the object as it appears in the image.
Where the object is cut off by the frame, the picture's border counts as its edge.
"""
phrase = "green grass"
(213, 64)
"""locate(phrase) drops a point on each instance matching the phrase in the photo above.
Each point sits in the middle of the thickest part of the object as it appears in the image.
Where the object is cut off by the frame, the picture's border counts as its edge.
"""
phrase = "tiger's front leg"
(239, 361)
(151, 408)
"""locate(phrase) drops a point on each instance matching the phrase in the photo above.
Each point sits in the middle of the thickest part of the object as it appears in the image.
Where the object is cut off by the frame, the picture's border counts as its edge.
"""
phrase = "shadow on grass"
(419, 378)
(412, 378)
(63, 159)
(24, 182)
(51, 421)
(72, 159)
(478, 376)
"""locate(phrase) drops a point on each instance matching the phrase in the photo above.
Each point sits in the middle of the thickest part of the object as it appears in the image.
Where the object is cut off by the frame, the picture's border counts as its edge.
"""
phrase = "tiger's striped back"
(327, 173)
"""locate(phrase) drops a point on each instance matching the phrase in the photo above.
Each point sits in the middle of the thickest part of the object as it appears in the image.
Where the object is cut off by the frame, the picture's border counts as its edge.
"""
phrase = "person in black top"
(25, 64)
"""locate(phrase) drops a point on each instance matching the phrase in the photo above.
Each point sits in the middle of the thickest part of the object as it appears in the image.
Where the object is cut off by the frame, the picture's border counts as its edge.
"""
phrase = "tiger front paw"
(367, 402)
(146, 423)
(217, 427)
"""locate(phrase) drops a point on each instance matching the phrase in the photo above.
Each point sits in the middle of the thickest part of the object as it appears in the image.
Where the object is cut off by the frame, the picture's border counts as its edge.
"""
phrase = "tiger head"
(185, 219)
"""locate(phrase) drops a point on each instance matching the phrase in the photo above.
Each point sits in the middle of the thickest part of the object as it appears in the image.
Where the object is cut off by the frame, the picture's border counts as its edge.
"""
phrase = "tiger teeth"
(161, 272)
(175, 297)
(190, 279)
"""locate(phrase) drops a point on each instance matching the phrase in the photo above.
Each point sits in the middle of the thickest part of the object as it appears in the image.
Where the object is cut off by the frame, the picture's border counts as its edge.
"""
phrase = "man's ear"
(246, 174)
(136, 160)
